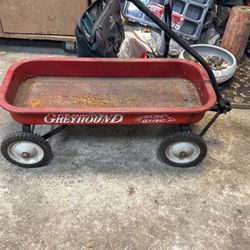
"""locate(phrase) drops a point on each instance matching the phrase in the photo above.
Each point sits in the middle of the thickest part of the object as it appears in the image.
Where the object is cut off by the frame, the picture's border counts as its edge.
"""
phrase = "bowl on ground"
(209, 51)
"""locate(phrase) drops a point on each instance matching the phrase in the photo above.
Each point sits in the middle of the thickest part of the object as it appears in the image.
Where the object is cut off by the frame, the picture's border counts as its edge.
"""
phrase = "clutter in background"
(132, 13)
(197, 21)
(130, 48)
(100, 32)
(151, 39)
(147, 33)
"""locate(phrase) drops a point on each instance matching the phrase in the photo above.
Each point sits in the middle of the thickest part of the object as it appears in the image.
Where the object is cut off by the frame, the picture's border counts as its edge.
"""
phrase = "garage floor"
(106, 189)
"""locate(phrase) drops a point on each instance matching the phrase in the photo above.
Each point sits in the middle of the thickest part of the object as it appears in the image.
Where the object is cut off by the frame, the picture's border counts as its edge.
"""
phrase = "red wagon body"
(137, 69)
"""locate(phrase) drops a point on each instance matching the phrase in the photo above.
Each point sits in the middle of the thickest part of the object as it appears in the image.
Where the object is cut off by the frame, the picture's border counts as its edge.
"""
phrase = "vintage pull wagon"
(64, 92)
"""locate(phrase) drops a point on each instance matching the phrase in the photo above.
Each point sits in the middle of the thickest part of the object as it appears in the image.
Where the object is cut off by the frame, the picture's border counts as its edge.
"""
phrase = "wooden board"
(40, 17)
(79, 92)
(38, 37)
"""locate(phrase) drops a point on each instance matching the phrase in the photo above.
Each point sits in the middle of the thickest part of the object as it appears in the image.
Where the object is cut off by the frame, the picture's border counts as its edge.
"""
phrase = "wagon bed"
(106, 92)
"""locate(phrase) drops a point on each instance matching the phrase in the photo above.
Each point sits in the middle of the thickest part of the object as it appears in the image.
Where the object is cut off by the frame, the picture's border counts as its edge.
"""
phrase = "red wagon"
(110, 91)
(60, 91)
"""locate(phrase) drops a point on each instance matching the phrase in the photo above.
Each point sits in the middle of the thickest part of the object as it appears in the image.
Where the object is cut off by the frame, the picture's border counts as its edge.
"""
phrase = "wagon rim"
(25, 152)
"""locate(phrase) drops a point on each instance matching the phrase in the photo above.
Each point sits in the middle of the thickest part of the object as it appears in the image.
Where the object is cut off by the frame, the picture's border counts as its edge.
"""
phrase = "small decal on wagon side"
(83, 118)
(160, 118)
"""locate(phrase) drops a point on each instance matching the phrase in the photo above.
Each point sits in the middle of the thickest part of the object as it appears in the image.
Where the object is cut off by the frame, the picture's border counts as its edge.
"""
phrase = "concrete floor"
(106, 189)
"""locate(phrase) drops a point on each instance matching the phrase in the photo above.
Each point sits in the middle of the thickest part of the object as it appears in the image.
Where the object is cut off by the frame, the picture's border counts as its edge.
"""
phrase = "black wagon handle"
(223, 106)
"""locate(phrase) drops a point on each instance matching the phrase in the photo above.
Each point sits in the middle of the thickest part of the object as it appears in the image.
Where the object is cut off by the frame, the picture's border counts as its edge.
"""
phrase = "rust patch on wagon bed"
(106, 92)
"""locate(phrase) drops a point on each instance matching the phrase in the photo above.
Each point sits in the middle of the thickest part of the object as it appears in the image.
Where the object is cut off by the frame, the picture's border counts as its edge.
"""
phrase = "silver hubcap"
(182, 152)
(25, 152)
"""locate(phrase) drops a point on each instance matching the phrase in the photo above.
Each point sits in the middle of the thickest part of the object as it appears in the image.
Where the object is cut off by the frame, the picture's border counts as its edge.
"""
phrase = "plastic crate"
(187, 17)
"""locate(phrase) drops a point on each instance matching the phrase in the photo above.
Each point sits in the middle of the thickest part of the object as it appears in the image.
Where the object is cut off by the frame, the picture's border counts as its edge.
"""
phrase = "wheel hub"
(182, 152)
(25, 155)
(25, 152)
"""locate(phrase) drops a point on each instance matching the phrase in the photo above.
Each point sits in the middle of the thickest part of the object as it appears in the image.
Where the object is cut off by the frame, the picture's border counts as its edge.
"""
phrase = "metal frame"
(30, 129)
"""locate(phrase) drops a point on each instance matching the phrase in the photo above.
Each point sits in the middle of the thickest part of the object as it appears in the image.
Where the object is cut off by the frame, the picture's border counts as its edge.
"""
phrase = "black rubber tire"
(34, 138)
(183, 137)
